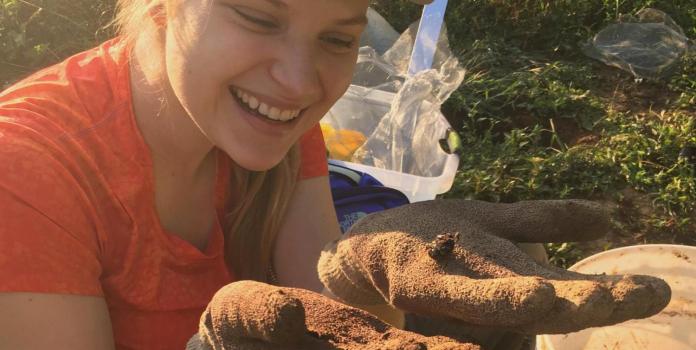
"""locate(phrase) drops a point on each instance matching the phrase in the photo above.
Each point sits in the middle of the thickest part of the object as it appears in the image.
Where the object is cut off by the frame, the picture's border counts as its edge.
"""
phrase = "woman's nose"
(296, 71)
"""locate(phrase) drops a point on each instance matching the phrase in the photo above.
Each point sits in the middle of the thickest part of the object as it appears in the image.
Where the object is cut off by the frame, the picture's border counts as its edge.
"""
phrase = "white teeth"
(253, 102)
(264, 109)
(274, 113)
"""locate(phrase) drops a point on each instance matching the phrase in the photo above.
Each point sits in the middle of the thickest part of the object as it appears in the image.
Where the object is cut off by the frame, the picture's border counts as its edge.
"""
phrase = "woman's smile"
(257, 105)
(263, 116)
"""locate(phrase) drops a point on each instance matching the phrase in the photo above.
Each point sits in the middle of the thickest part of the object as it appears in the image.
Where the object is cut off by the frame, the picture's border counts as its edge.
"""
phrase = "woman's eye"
(340, 43)
(268, 24)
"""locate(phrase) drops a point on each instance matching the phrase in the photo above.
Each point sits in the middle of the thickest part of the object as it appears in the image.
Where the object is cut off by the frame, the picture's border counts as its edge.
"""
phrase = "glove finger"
(349, 328)
(500, 302)
(489, 338)
(538, 221)
(547, 221)
(342, 274)
(633, 296)
(600, 300)
(253, 310)
(201, 342)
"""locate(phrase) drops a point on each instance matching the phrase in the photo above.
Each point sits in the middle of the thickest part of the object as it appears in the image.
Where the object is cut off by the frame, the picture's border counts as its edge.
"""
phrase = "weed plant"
(37, 33)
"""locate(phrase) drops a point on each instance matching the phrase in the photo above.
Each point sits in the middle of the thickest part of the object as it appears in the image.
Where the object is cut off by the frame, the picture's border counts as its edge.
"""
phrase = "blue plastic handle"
(427, 37)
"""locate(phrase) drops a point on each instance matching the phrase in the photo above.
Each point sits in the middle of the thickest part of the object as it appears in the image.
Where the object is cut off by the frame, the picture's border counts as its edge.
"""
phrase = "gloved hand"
(251, 315)
(453, 259)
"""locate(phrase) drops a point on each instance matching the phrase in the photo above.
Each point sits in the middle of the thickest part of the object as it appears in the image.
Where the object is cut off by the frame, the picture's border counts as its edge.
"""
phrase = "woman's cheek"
(342, 76)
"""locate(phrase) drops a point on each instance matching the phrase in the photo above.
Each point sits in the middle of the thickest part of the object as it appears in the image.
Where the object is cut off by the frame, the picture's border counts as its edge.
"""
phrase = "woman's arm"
(309, 225)
(34, 321)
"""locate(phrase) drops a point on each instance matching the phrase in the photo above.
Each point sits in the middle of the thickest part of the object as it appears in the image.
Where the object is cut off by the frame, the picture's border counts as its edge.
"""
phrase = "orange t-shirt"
(77, 212)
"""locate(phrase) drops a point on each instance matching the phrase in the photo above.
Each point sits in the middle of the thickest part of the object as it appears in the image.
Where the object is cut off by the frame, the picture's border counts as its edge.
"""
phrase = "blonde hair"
(258, 201)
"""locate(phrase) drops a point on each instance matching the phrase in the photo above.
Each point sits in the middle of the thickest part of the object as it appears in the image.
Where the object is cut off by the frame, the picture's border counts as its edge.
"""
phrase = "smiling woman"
(176, 158)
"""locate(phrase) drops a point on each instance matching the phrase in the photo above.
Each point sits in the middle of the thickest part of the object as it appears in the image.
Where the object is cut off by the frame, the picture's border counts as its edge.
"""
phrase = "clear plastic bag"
(379, 34)
(399, 114)
(649, 44)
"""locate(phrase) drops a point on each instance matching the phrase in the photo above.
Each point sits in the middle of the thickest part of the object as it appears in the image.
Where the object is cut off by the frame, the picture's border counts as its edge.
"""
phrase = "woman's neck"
(177, 146)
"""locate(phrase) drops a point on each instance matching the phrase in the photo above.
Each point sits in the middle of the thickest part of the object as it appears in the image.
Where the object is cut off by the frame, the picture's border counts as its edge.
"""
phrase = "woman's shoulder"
(313, 153)
(103, 61)
(79, 104)
(65, 135)
(71, 94)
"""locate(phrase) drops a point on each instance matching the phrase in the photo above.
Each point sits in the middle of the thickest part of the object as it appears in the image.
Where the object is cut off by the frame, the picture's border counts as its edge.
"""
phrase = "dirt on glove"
(249, 315)
(484, 280)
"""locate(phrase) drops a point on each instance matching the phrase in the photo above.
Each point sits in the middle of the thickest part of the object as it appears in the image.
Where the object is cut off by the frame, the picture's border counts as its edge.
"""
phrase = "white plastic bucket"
(672, 329)
(350, 113)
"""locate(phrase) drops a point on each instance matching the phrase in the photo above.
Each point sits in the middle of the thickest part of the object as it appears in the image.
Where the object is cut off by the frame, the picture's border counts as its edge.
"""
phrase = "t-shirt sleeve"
(313, 153)
(48, 242)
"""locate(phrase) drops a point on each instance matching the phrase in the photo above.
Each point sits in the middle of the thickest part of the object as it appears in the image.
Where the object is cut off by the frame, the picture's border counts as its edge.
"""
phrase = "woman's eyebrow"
(359, 19)
(277, 3)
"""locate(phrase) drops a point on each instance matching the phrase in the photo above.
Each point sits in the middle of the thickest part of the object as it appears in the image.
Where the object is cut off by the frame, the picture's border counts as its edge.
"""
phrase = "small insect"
(442, 245)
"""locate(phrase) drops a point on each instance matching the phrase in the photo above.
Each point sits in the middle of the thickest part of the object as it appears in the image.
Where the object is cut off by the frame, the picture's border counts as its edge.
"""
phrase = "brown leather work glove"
(480, 277)
(250, 315)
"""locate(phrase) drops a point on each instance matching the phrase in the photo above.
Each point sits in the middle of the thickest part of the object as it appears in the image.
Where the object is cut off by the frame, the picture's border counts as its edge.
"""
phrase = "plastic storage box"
(361, 109)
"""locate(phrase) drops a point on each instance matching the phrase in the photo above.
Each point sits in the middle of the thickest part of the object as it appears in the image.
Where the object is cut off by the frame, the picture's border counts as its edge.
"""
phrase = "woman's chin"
(257, 167)
(258, 162)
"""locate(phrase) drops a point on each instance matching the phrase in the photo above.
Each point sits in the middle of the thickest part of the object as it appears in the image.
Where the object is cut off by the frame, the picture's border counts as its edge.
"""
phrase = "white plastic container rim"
(416, 188)
(674, 328)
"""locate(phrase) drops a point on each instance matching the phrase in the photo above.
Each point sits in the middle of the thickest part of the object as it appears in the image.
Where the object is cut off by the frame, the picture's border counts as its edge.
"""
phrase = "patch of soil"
(572, 134)
(681, 255)
(622, 93)
(631, 224)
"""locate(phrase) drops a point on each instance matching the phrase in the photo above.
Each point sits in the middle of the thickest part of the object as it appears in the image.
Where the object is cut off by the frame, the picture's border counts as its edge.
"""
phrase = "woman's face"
(255, 75)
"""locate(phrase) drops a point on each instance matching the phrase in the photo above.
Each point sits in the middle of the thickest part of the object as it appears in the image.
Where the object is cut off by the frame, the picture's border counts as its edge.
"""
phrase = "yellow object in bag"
(341, 143)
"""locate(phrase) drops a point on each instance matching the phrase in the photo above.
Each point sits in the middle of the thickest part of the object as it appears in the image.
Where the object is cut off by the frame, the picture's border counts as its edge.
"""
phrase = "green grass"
(37, 33)
(537, 117)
